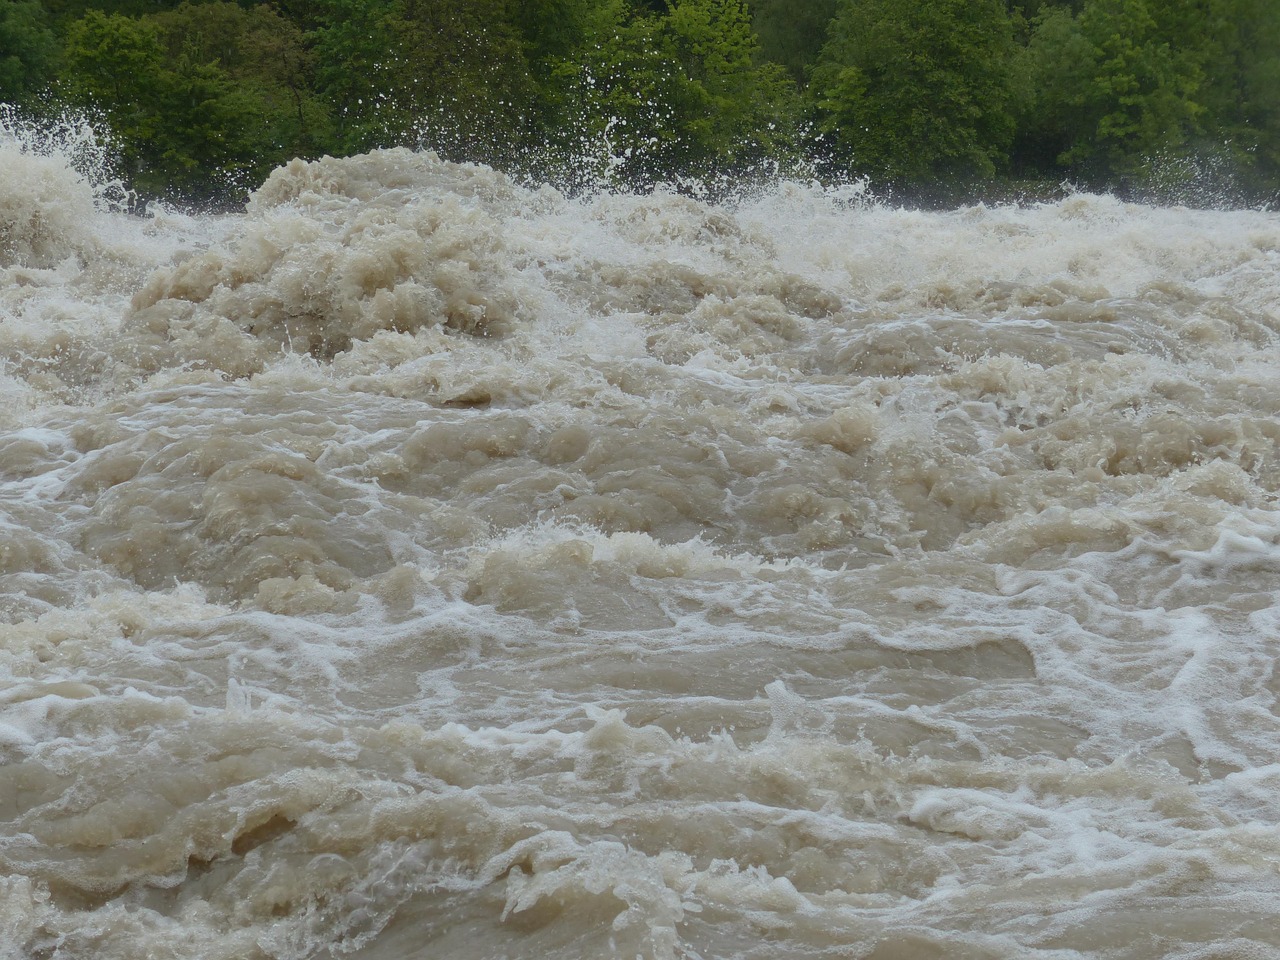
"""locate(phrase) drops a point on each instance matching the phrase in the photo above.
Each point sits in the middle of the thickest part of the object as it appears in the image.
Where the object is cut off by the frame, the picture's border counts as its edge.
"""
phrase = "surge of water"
(421, 565)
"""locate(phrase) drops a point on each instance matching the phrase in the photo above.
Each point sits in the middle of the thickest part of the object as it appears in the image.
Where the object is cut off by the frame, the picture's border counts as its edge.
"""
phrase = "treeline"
(935, 99)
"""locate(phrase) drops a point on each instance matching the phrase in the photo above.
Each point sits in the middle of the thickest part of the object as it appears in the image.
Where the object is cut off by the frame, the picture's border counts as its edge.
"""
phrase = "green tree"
(357, 49)
(185, 129)
(553, 29)
(630, 92)
(265, 57)
(67, 10)
(396, 70)
(792, 32)
(748, 108)
(679, 93)
(28, 50)
(472, 87)
(1115, 85)
(1241, 89)
(918, 92)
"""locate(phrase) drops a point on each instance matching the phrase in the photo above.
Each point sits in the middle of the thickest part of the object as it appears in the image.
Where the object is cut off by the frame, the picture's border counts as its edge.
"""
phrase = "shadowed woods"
(932, 100)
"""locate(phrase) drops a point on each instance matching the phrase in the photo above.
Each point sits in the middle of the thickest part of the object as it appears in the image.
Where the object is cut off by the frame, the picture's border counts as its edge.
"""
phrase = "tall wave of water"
(419, 564)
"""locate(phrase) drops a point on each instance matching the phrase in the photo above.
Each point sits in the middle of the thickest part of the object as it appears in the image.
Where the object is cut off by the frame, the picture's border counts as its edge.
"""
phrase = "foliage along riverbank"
(931, 100)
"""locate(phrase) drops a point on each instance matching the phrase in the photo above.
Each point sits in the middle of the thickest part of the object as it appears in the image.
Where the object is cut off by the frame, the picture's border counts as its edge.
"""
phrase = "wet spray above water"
(422, 564)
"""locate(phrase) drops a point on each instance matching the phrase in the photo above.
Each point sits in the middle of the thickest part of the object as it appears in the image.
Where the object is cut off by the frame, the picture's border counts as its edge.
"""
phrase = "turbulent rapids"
(422, 565)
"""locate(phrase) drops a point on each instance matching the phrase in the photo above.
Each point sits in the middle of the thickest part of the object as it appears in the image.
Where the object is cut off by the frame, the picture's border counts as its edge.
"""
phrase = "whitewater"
(423, 564)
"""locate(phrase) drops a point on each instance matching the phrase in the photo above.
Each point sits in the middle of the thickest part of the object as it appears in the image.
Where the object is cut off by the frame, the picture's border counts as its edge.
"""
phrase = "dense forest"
(929, 99)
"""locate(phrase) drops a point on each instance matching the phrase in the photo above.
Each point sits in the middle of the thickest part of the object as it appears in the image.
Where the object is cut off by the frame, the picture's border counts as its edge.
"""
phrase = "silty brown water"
(423, 565)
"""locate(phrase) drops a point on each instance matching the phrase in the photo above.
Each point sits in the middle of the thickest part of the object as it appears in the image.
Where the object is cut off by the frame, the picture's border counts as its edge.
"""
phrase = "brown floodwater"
(423, 565)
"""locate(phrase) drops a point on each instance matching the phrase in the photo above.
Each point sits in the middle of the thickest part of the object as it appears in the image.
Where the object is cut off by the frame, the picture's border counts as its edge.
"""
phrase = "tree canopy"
(934, 98)
(28, 49)
(918, 91)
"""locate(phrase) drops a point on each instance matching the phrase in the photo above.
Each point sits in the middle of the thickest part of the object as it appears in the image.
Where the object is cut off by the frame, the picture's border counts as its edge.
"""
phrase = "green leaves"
(1129, 91)
(680, 93)
(188, 126)
(917, 92)
(1111, 87)
(28, 50)
(936, 97)
(358, 50)
(792, 33)
(451, 73)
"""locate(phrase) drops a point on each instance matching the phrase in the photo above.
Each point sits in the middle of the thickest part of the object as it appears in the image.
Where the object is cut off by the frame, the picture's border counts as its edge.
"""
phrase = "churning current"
(422, 565)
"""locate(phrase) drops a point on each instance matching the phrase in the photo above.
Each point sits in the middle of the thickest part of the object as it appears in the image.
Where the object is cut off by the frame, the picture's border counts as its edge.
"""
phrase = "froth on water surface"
(420, 564)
